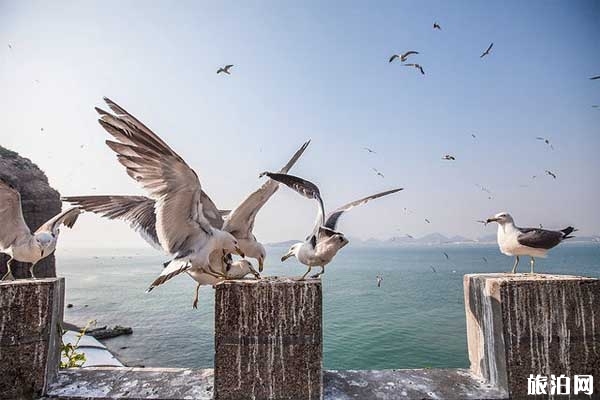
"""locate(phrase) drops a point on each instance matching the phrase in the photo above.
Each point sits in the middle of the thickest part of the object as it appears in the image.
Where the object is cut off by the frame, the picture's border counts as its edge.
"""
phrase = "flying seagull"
(417, 66)
(484, 259)
(432, 269)
(595, 77)
(379, 280)
(532, 242)
(369, 150)
(437, 26)
(547, 141)
(10, 47)
(324, 242)
(378, 173)
(426, 220)
(474, 137)
(448, 157)
(403, 57)
(446, 255)
(225, 69)
(17, 241)
(182, 229)
(487, 51)
(552, 174)
(409, 236)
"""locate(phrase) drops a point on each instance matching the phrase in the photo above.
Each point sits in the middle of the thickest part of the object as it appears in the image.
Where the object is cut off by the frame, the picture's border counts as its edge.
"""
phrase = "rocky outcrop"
(39, 202)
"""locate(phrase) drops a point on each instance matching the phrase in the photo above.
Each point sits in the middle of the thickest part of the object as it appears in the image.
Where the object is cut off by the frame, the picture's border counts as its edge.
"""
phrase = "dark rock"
(39, 202)
(107, 333)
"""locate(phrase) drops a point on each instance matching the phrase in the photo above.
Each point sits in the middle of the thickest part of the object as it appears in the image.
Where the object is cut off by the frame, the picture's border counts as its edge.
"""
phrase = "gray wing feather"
(12, 223)
(539, 238)
(66, 218)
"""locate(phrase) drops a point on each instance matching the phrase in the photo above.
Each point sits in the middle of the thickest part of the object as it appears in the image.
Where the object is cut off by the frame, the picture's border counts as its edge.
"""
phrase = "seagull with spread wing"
(403, 57)
(417, 66)
(182, 228)
(225, 69)
(324, 242)
(17, 241)
(487, 51)
(532, 242)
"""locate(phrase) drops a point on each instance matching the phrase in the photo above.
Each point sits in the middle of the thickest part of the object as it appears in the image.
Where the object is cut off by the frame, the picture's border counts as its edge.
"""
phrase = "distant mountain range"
(430, 240)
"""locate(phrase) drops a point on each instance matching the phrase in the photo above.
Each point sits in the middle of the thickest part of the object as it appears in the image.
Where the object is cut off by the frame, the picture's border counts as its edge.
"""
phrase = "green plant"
(70, 357)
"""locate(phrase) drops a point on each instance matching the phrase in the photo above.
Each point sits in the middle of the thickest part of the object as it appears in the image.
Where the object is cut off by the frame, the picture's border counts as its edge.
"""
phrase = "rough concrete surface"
(29, 335)
(268, 339)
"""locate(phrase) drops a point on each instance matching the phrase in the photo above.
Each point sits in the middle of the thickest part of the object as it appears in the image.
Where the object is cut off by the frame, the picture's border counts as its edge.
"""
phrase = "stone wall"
(39, 202)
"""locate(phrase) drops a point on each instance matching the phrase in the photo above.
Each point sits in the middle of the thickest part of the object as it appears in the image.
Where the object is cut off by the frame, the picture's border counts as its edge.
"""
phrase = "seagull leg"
(195, 303)
(31, 271)
(318, 274)
(306, 273)
(8, 276)
(514, 270)
(532, 264)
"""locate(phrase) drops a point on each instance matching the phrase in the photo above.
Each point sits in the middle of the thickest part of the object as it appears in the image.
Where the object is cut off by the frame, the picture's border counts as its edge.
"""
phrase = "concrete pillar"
(522, 324)
(268, 340)
(30, 314)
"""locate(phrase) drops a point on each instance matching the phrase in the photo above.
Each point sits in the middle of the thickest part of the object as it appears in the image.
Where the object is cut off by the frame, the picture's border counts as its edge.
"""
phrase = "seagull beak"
(240, 252)
(261, 264)
(491, 220)
(256, 274)
(287, 255)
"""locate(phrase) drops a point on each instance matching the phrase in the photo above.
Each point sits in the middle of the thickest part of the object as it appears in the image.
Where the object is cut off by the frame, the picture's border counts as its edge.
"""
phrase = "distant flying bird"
(369, 150)
(10, 47)
(409, 236)
(378, 173)
(552, 174)
(472, 134)
(225, 69)
(447, 256)
(17, 241)
(426, 220)
(449, 157)
(487, 51)
(41, 129)
(532, 242)
(547, 141)
(592, 78)
(432, 269)
(404, 56)
(437, 26)
(533, 176)
(379, 280)
(417, 66)
(484, 259)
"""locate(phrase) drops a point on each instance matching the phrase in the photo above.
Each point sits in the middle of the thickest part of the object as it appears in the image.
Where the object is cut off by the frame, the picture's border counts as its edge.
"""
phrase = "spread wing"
(180, 222)
(240, 222)
(304, 188)
(408, 53)
(138, 211)
(392, 58)
(211, 212)
(333, 217)
(539, 238)
(12, 224)
(66, 218)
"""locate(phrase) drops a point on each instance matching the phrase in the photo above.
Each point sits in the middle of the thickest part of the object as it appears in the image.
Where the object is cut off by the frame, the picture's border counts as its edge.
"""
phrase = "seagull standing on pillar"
(532, 242)
(16, 239)
(323, 244)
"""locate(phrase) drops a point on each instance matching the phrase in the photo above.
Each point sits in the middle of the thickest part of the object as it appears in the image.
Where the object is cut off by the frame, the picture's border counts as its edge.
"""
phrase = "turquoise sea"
(414, 320)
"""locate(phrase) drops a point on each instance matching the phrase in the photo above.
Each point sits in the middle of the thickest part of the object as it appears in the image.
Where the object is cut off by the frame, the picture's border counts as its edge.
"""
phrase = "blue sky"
(319, 71)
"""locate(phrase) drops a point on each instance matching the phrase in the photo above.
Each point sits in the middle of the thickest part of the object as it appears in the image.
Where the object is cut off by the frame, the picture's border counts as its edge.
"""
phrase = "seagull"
(552, 174)
(448, 157)
(17, 241)
(447, 256)
(409, 236)
(417, 66)
(225, 69)
(487, 51)
(432, 269)
(378, 173)
(474, 137)
(369, 150)
(324, 242)
(403, 57)
(484, 259)
(592, 78)
(10, 47)
(437, 26)
(428, 221)
(379, 280)
(182, 228)
(532, 242)
(547, 141)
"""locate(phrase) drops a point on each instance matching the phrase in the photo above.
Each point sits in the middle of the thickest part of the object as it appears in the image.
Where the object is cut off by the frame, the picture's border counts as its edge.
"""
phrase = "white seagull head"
(292, 252)
(44, 240)
(227, 242)
(501, 218)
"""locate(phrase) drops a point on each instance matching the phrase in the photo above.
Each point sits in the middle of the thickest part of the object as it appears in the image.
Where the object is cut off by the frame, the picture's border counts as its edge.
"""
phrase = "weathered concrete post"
(268, 340)
(30, 314)
(522, 324)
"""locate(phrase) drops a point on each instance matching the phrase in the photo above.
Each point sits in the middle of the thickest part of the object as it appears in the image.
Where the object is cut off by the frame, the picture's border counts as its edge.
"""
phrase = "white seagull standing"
(16, 239)
(533, 242)
(324, 242)
(182, 228)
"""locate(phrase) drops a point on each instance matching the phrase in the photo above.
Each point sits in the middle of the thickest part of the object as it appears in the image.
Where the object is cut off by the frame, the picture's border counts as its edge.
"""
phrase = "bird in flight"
(379, 280)
(449, 157)
(417, 66)
(552, 174)
(10, 47)
(447, 256)
(437, 26)
(487, 51)
(592, 78)
(474, 137)
(484, 259)
(409, 236)
(547, 141)
(378, 173)
(369, 150)
(225, 69)
(404, 56)
(428, 221)
(432, 269)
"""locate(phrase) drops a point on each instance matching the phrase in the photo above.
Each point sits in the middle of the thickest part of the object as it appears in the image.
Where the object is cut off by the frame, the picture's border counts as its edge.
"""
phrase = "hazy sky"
(318, 70)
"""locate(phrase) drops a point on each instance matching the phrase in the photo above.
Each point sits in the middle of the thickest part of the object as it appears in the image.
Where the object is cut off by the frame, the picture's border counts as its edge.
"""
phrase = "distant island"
(432, 239)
